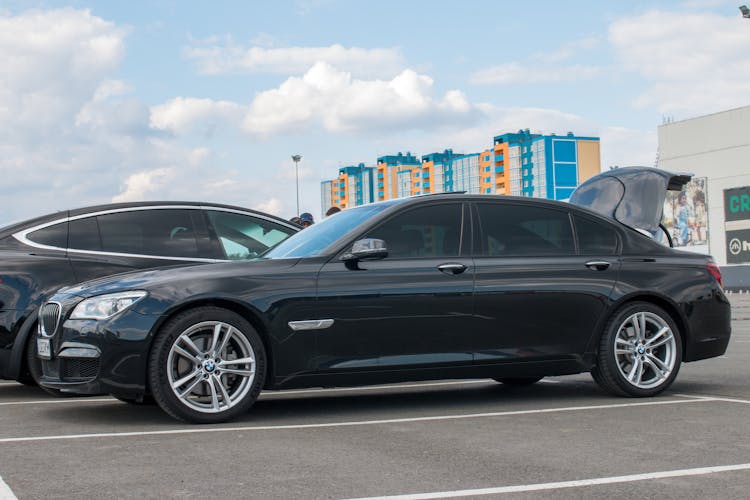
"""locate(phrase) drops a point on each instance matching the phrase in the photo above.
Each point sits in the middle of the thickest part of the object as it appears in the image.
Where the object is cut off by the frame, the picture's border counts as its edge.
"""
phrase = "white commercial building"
(716, 149)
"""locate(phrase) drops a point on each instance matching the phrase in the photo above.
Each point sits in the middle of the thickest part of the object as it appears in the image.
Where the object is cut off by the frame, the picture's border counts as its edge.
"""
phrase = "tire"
(635, 363)
(142, 400)
(194, 373)
(518, 381)
(34, 370)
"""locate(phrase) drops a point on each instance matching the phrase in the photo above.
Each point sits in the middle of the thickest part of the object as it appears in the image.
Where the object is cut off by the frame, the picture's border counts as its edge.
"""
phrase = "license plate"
(43, 348)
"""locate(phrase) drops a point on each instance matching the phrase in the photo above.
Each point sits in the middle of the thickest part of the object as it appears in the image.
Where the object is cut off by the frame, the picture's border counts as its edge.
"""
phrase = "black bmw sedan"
(39, 256)
(437, 286)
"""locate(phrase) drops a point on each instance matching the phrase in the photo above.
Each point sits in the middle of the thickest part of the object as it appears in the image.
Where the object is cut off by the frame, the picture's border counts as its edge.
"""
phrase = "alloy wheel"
(211, 367)
(645, 350)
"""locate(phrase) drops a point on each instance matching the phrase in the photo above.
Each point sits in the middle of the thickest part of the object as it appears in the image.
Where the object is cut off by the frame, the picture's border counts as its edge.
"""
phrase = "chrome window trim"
(22, 236)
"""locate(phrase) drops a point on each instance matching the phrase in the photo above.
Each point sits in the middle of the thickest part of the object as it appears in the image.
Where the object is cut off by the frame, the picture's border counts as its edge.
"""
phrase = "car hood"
(149, 279)
(631, 195)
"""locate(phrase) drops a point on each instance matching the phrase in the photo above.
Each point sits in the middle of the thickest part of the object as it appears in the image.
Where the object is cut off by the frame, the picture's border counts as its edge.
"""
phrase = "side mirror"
(366, 249)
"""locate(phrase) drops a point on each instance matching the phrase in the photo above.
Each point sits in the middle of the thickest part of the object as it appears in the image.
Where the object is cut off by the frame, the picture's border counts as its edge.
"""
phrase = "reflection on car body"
(438, 286)
(41, 255)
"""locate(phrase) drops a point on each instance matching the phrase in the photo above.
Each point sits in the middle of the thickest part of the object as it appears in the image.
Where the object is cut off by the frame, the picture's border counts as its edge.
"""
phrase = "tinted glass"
(509, 229)
(163, 232)
(316, 238)
(600, 195)
(432, 231)
(84, 234)
(53, 236)
(595, 238)
(244, 236)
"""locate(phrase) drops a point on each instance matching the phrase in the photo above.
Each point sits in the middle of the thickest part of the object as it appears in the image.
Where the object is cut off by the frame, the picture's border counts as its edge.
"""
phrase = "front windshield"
(313, 240)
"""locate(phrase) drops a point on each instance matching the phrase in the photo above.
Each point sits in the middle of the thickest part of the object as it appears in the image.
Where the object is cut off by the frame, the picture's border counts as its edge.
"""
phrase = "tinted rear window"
(511, 229)
(595, 238)
(84, 234)
(163, 232)
(52, 236)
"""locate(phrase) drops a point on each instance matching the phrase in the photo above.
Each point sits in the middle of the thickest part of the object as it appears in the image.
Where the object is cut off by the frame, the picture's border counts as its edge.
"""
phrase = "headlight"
(106, 306)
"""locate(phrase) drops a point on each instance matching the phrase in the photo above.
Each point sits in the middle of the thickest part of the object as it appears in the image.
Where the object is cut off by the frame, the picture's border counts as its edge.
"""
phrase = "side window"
(53, 236)
(432, 231)
(245, 236)
(514, 229)
(161, 232)
(595, 238)
(84, 234)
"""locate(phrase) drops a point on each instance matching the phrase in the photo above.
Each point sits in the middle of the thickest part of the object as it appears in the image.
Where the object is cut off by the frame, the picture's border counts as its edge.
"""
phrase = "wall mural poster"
(686, 216)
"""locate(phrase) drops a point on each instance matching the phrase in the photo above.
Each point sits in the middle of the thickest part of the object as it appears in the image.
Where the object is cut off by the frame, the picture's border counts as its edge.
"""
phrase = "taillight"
(715, 271)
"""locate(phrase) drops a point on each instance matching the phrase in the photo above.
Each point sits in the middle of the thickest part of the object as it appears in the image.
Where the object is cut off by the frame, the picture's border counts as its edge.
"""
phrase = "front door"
(413, 307)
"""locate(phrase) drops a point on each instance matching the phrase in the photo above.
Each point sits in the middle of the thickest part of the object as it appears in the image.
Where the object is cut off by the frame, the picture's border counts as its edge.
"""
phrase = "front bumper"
(100, 357)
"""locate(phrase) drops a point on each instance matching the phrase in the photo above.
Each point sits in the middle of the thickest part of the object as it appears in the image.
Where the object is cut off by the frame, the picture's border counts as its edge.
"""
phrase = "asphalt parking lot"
(562, 438)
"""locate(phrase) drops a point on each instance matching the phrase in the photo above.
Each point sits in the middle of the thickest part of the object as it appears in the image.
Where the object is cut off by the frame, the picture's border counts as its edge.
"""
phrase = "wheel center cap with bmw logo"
(209, 365)
(640, 349)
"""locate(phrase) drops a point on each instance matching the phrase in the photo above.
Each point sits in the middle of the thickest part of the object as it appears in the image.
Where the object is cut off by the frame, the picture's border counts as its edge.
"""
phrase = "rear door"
(110, 243)
(537, 295)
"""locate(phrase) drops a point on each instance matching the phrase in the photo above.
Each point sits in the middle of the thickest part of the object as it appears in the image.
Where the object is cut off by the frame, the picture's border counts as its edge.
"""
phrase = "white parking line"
(700, 471)
(715, 398)
(373, 387)
(266, 394)
(203, 430)
(5, 492)
(56, 401)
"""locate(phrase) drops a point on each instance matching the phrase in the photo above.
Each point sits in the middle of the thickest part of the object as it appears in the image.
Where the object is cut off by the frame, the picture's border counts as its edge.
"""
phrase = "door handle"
(599, 265)
(452, 268)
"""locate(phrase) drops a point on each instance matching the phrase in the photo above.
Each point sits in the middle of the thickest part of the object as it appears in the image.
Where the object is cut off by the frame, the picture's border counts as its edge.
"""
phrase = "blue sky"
(117, 101)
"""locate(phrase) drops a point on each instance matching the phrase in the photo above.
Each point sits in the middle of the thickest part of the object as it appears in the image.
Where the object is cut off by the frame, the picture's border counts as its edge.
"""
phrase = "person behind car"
(333, 210)
(306, 219)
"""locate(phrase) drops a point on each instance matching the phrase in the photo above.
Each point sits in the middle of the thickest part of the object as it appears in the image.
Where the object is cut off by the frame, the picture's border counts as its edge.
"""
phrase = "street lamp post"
(296, 159)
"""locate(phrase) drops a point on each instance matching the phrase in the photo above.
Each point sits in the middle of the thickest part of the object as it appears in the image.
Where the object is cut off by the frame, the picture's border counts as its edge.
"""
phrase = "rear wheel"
(207, 365)
(518, 381)
(640, 351)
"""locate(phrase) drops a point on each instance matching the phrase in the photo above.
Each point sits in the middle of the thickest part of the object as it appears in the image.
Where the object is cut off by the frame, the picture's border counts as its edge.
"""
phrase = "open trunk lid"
(632, 195)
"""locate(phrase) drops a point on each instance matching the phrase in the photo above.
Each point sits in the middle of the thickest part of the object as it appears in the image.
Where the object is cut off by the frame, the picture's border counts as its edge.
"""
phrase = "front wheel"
(207, 365)
(640, 351)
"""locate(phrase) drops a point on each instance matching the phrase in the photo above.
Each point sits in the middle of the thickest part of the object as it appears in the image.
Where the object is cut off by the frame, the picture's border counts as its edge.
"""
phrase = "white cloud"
(498, 120)
(624, 147)
(516, 73)
(183, 114)
(324, 97)
(270, 205)
(111, 88)
(214, 57)
(328, 97)
(142, 185)
(695, 62)
(72, 134)
(52, 61)
(567, 50)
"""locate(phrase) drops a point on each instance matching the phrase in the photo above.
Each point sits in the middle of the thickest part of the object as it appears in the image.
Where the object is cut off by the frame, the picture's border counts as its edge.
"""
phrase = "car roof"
(17, 226)
(463, 196)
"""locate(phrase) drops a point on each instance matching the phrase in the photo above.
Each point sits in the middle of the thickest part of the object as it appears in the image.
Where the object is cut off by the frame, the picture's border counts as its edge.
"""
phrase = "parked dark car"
(39, 256)
(437, 286)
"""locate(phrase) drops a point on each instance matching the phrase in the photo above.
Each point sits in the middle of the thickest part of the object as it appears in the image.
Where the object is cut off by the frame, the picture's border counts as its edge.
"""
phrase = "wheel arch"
(660, 301)
(25, 334)
(247, 312)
